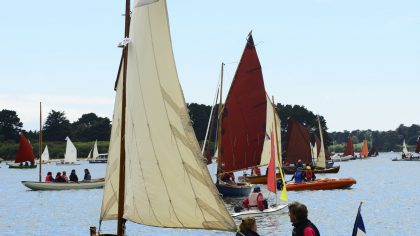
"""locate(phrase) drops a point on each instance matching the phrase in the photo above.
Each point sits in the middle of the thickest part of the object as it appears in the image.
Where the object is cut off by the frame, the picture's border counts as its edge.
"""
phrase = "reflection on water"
(390, 192)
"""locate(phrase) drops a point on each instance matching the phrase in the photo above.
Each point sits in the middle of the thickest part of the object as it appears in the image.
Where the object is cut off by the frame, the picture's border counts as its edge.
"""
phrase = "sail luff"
(167, 181)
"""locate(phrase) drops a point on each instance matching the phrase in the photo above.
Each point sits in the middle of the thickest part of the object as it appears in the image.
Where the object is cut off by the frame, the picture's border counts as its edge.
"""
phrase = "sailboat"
(45, 157)
(243, 125)
(155, 174)
(406, 155)
(271, 179)
(25, 158)
(70, 157)
(364, 151)
(96, 157)
(348, 152)
(373, 152)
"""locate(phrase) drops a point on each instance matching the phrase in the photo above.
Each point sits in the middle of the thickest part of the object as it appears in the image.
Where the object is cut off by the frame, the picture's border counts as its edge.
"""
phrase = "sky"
(355, 62)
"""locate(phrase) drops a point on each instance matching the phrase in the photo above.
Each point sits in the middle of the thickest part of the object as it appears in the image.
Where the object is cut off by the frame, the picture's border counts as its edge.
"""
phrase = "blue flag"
(359, 226)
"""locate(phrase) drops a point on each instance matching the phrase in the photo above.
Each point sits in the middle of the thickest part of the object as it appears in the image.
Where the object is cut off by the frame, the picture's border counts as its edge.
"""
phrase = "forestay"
(167, 183)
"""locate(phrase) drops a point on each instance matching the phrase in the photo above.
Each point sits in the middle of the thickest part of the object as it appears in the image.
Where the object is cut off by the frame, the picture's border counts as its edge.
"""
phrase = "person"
(58, 178)
(73, 176)
(298, 214)
(256, 171)
(299, 164)
(309, 174)
(228, 177)
(64, 176)
(298, 175)
(49, 178)
(255, 199)
(87, 175)
(248, 227)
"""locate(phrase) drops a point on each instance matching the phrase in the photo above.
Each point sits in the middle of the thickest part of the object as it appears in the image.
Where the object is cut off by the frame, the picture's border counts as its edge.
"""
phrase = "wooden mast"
(121, 188)
(219, 126)
(40, 142)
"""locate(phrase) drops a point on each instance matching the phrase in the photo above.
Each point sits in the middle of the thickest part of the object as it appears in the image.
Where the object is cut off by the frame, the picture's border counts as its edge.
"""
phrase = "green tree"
(56, 127)
(91, 127)
(10, 125)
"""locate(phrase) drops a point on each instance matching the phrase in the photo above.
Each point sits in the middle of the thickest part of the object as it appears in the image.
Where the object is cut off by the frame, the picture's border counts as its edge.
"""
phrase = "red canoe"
(322, 184)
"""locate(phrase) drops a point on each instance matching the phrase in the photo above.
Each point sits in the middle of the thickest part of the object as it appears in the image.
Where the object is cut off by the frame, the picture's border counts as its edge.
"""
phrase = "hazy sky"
(356, 62)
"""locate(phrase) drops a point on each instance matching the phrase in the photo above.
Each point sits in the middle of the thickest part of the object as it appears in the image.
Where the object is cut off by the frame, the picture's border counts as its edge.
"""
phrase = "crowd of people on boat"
(61, 177)
(27, 163)
(298, 214)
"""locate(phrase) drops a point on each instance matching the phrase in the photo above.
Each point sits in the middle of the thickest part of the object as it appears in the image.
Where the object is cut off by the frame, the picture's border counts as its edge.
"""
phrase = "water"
(389, 191)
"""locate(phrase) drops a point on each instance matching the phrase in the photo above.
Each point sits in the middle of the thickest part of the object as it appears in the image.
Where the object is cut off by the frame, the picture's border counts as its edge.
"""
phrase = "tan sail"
(167, 183)
(265, 155)
(321, 157)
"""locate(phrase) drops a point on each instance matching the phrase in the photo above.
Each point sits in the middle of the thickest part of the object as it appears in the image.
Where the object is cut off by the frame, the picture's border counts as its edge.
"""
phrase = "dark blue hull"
(228, 190)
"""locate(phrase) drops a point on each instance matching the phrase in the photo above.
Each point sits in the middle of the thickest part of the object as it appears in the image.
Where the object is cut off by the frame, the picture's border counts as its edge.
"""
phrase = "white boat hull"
(272, 210)
(34, 185)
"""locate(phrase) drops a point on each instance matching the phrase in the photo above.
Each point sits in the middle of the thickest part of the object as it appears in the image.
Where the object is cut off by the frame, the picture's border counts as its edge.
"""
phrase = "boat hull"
(237, 190)
(67, 163)
(259, 179)
(322, 184)
(42, 186)
(272, 210)
(18, 166)
(97, 161)
(290, 170)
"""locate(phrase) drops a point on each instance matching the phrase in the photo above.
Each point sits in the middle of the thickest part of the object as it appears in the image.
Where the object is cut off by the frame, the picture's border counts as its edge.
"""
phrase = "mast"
(121, 188)
(219, 125)
(40, 142)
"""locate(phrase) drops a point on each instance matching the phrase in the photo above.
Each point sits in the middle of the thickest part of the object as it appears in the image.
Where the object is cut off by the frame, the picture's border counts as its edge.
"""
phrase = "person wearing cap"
(298, 175)
(302, 226)
(254, 200)
(309, 174)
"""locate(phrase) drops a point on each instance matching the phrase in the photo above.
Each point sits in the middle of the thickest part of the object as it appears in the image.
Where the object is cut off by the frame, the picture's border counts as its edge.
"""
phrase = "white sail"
(314, 151)
(89, 156)
(95, 150)
(321, 157)
(405, 150)
(167, 183)
(71, 152)
(45, 155)
(269, 125)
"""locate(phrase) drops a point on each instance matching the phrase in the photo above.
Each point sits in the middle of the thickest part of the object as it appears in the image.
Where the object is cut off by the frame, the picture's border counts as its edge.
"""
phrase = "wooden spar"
(121, 186)
(40, 142)
(219, 125)
(210, 123)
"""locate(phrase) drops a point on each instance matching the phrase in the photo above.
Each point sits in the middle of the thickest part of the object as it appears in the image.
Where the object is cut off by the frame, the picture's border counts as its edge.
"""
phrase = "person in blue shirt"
(298, 175)
(87, 175)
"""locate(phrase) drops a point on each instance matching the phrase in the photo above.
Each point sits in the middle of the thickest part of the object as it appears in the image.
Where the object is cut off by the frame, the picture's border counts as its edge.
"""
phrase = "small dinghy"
(36, 186)
(322, 184)
(272, 210)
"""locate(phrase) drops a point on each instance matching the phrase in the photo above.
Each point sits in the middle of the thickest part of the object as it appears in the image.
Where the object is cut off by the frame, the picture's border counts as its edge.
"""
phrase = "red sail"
(25, 152)
(297, 143)
(418, 145)
(244, 114)
(271, 175)
(349, 151)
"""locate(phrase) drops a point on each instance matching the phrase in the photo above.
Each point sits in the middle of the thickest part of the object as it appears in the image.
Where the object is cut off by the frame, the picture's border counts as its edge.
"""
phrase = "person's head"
(247, 224)
(73, 171)
(297, 212)
(58, 174)
(299, 161)
(64, 172)
(49, 173)
(86, 171)
(257, 189)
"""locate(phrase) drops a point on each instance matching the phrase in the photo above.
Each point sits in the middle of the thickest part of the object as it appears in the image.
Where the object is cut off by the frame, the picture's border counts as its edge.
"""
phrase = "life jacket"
(48, 178)
(253, 199)
(300, 227)
(309, 174)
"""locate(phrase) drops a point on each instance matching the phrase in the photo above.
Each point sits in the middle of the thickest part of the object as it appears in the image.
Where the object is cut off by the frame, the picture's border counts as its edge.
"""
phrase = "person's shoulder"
(309, 231)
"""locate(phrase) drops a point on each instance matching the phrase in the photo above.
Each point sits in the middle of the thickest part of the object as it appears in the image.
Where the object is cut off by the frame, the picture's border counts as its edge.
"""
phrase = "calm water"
(390, 192)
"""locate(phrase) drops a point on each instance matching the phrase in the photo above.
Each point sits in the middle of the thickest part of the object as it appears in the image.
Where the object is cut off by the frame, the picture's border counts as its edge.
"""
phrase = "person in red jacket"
(254, 200)
(49, 178)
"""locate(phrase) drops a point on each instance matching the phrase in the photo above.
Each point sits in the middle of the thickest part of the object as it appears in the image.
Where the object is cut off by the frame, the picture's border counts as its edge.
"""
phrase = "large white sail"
(45, 155)
(321, 157)
(71, 152)
(167, 183)
(269, 126)
(95, 150)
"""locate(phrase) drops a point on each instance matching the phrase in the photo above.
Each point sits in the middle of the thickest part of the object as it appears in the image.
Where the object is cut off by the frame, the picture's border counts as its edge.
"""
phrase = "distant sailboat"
(25, 157)
(348, 150)
(70, 157)
(45, 157)
(405, 150)
(96, 157)
(156, 174)
(297, 143)
(364, 151)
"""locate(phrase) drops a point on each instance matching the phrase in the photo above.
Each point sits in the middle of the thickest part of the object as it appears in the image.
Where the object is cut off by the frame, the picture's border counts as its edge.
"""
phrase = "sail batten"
(167, 181)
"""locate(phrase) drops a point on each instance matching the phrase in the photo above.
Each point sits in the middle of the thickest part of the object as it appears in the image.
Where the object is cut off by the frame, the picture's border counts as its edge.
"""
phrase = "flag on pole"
(359, 226)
